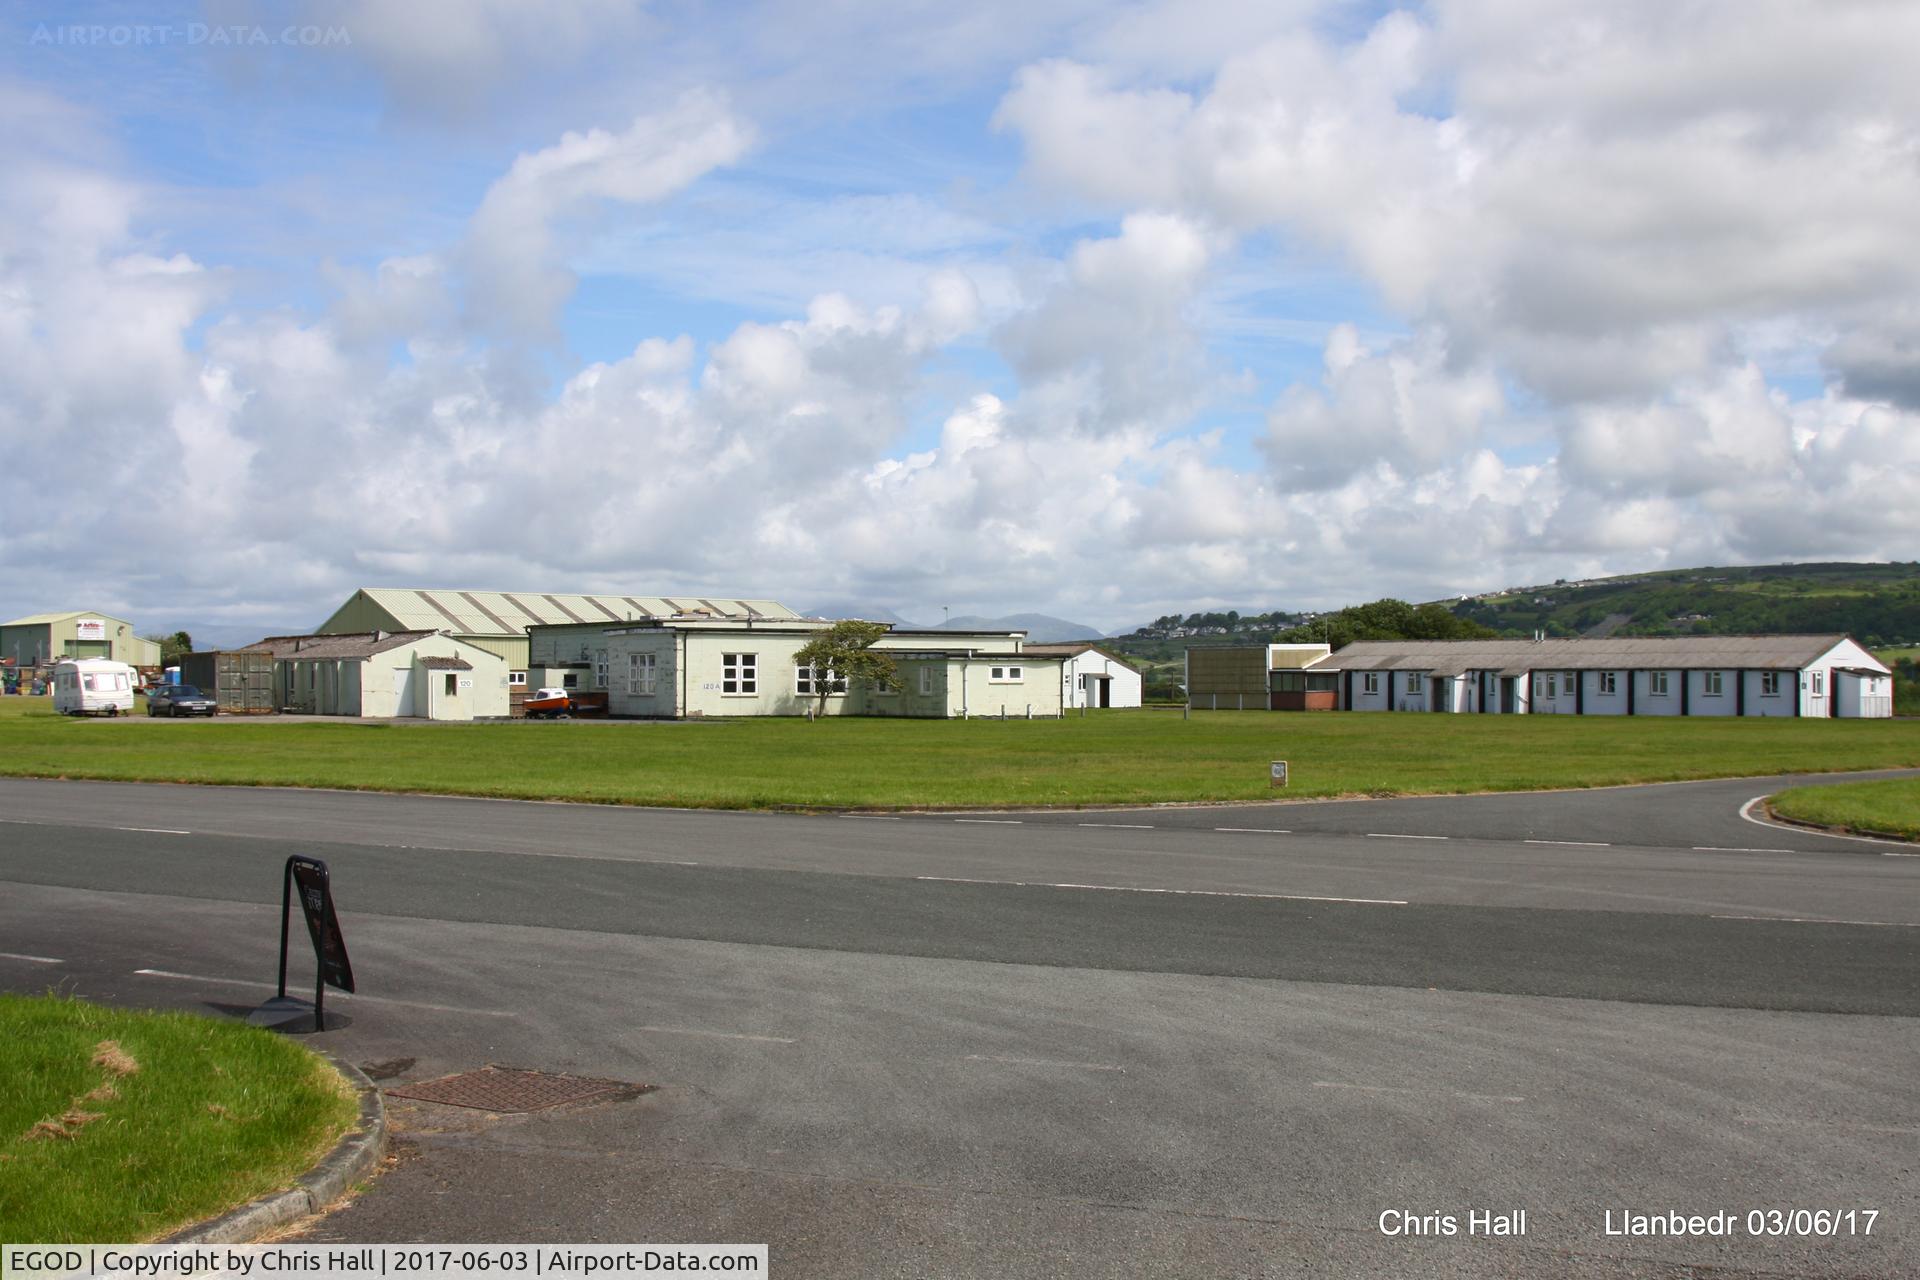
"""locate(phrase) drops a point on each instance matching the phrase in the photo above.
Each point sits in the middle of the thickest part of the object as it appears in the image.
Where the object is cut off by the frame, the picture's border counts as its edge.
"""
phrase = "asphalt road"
(1217, 1041)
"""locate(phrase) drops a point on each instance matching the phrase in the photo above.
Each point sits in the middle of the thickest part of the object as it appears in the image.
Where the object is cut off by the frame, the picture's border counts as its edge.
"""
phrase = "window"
(1416, 682)
(640, 675)
(516, 679)
(1609, 682)
(1553, 686)
(805, 685)
(926, 682)
(1004, 675)
(453, 685)
(1657, 684)
(600, 669)
(740, 674)
(1770, 684)
(1819, 683)
(1710, 684)
(1370, 683)
(570, 681)
(884, 688)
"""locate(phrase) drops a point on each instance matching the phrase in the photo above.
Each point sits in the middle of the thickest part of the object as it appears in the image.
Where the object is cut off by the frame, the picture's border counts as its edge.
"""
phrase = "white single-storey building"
(383, 674)
(1092, 676)
(1818, 675)
(676, 668)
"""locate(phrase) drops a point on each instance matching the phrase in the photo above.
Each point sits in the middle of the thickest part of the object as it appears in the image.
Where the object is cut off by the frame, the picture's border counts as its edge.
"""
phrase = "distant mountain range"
(1041, 628)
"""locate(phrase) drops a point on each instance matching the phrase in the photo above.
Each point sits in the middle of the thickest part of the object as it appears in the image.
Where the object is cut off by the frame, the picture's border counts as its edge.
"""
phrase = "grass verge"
(1108, 757)
(1890, 807)
(117, 1126)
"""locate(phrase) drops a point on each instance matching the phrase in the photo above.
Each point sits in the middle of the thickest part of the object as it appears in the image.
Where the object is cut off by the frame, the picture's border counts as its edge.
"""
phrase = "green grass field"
(1891, 807)
(1111, 757)
(185, 1118)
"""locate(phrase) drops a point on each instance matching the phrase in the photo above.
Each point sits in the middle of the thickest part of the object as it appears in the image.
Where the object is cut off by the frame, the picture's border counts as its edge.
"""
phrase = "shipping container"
(241, 681)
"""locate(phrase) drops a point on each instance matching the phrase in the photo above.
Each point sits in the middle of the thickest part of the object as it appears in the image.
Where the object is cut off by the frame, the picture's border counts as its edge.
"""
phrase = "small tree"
(171, 647)
(844, 654)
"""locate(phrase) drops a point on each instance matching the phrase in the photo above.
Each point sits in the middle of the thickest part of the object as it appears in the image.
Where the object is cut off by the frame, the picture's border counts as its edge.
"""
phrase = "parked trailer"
(93, 687)
(240, 680)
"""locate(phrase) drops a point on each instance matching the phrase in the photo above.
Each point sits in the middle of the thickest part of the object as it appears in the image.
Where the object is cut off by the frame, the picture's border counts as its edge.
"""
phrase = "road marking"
(1265, 831)
(1118, 826)
(24, 822)
(1396, 835)
(14, 955)
(1878, 924)
(1746, 811)
(717, 1035)
(156, 831)
(1045, 1062)
(998, 822)
(1451, 1093)
(247, 982)
(1578, 844)
(868, 817)
(1714, 848)
(1193, 893)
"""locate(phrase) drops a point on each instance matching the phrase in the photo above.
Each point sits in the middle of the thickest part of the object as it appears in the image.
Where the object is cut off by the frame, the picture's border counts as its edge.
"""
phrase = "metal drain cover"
(512, 1089)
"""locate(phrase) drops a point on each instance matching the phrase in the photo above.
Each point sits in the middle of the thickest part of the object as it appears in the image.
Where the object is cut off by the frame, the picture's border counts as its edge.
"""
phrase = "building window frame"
(1819, 684)
(642, 675)
(926, 681)
(600, 668)
(804, 684)
(1609, 683)
(1769, 684)
(1370, 682)
(1712, 684)
(740, 675)
(1657, 684)
(516, 679)
(1007, 674)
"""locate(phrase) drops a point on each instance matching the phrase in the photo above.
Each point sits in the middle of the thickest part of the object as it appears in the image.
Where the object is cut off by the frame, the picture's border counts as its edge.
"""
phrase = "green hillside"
(1879, 604)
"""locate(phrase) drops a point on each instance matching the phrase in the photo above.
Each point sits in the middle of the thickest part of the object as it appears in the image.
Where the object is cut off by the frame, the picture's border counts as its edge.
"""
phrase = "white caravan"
(93, 687)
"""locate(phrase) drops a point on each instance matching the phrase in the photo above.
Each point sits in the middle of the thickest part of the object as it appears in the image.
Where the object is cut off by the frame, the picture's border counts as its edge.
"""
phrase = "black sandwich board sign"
(307, 880)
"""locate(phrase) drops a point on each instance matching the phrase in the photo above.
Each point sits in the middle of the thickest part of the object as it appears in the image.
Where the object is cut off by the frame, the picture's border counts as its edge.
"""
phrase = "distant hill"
(1878, 603)
(1041, 628)
(851, 609)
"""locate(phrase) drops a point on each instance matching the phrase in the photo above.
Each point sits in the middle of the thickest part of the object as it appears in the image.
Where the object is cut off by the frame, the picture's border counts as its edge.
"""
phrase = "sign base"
(287, 1013)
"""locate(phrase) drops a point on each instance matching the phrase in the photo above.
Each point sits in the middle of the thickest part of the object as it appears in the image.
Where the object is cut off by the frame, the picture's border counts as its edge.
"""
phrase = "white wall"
(1124, 683)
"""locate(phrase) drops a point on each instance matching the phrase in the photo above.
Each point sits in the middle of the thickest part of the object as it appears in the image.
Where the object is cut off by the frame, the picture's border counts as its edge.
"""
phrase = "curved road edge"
(352, 1160)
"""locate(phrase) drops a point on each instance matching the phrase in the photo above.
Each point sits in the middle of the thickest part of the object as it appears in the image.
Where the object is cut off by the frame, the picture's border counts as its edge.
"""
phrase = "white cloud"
(517, 281)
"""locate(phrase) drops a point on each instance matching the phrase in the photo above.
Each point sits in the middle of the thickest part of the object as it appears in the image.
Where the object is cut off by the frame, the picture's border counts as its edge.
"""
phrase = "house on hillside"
(1799, 675)
(1092, 676)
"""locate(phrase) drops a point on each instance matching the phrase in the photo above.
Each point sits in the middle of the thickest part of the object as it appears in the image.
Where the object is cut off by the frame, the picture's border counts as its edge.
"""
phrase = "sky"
(1102, 310)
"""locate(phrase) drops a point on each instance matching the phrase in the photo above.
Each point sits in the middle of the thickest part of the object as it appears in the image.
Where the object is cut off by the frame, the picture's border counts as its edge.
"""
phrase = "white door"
(403, 691)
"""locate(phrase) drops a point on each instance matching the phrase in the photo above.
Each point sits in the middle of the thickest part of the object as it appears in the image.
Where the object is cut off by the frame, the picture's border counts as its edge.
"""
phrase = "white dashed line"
(1877, 924)
(1451, 1093)
(1578, 844)
(869, 817)
(156, 831)
(1118, 826)
(1265, 831)
(997, 822)
(12, 955)
(1711, 848)
(1045, 1062)
(1399, 835)
(716, 1035)
(354, 999)
(1191, 893)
